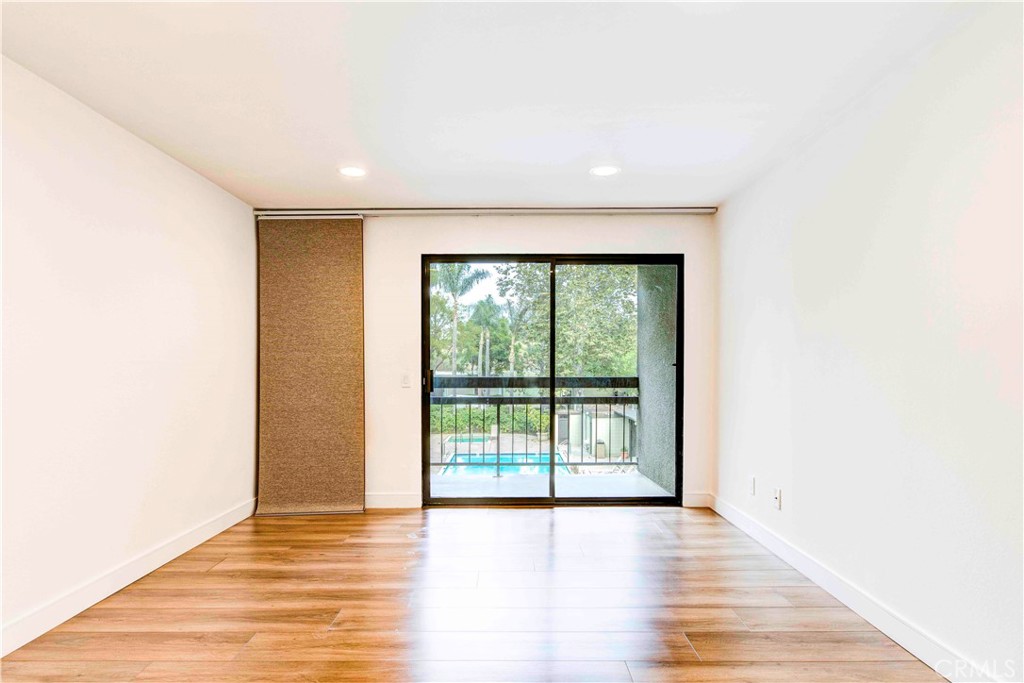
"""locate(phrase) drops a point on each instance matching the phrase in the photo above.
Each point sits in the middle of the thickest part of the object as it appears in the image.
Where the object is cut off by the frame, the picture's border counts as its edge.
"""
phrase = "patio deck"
(619, 485)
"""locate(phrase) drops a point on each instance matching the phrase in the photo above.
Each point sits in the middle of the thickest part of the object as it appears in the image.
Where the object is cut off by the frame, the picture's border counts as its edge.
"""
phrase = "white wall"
(871, 351)
(392, 249)
(129, 300)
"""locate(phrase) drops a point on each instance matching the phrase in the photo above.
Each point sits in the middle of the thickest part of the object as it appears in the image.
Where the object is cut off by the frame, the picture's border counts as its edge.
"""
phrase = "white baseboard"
(915, 640)
(393, 499)
(30, 626)
(697, 499)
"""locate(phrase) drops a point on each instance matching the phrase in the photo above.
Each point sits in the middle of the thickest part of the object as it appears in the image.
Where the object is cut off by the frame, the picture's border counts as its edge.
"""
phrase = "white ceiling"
(471, 104)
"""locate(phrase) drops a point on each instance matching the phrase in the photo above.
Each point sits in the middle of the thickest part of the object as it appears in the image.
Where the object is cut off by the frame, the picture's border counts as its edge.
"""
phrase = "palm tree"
(456, 280)
(487, 314)
(517, 314)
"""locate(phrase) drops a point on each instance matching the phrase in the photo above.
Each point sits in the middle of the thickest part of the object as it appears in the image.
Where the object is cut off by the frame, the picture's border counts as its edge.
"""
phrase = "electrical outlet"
(777, 497)
(753, 486)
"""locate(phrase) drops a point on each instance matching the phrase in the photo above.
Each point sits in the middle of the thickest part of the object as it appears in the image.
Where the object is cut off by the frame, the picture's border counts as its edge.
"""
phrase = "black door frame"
(553, 260)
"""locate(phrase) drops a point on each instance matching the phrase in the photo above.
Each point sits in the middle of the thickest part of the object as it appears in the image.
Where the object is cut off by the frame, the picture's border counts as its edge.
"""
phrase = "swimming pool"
(518, 463)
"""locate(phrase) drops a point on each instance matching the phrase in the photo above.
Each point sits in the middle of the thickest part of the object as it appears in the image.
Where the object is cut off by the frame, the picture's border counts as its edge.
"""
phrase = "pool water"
(518, 463)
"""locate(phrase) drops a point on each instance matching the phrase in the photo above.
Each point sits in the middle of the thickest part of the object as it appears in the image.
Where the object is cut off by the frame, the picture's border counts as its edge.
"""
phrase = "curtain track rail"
(293, 214)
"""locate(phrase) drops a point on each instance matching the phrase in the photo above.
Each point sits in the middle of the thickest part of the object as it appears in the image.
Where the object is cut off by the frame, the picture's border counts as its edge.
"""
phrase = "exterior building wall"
(656, 358)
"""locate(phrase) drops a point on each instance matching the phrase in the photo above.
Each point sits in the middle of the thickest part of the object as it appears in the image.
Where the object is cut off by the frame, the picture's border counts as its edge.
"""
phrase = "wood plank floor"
(568, 594)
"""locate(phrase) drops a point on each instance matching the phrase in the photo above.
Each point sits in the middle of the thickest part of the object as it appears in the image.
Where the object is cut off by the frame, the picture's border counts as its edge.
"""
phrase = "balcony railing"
(502, 423)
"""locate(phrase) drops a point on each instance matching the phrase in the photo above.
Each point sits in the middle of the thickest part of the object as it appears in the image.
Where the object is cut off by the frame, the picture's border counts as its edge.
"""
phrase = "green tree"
(456, 280)
(440, 332)
(527, 284)
(517, 315)
(595, 320)
(488, 315)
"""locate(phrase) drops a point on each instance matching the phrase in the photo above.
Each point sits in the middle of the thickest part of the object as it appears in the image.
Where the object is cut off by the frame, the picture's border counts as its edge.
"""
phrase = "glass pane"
(615, 400)
(489, 353)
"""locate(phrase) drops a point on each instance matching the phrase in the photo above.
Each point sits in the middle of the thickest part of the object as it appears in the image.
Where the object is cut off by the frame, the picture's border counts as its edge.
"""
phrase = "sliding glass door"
(488, 340)
(615, 359)
(551, 379)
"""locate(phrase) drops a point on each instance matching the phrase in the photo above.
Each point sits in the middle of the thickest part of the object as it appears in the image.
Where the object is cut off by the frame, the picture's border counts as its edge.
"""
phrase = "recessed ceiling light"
(604, 170)
(352, 171)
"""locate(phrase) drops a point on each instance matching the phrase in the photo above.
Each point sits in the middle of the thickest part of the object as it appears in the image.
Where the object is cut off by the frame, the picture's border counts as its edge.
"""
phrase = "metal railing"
(503, 422)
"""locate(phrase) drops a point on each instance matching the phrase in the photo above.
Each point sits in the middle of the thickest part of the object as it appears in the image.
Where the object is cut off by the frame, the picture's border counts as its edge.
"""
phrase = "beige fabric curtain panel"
(311, 366)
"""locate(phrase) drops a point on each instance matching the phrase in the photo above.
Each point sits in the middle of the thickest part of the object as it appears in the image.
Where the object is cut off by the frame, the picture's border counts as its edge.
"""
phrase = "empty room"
(512, 342)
